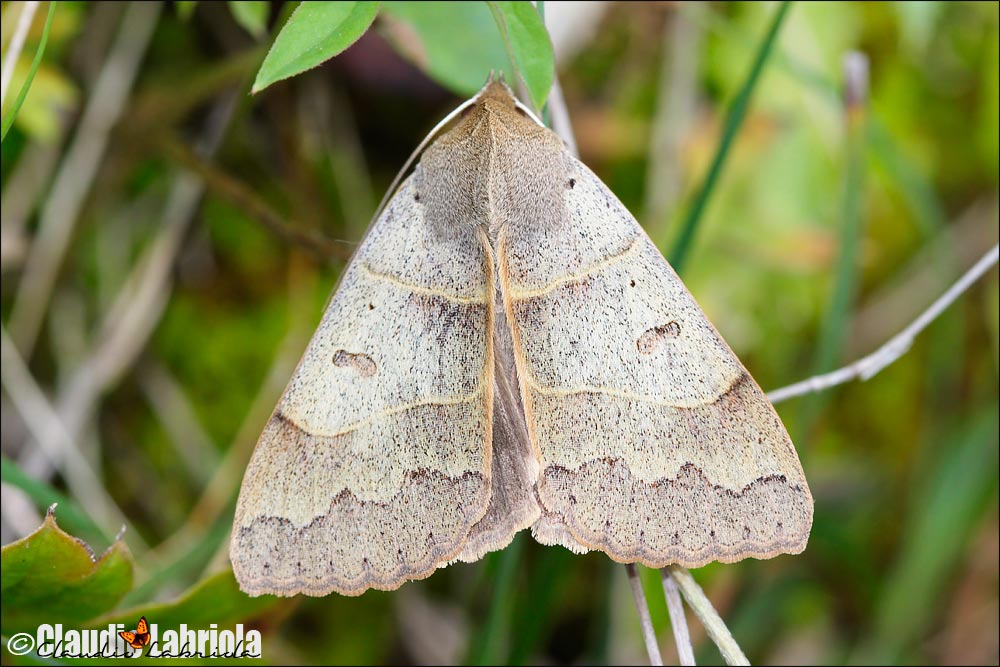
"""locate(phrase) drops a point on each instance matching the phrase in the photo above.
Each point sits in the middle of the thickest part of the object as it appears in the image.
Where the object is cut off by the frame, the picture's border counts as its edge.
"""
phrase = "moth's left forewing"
(376, 462)
(655, 443)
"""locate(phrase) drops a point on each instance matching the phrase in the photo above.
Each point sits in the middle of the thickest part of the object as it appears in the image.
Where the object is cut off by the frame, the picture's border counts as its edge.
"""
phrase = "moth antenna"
(527, 110)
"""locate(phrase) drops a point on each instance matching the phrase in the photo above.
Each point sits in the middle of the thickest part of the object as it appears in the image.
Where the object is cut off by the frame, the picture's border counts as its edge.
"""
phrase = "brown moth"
(508, 349)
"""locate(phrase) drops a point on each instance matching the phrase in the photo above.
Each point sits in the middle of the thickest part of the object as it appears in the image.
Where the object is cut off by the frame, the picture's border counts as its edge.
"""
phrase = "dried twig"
(703, 609)
(249, 202)
(675, 607)
(957, 245)
(16, 45)
(641, 606)
(895, 347)
(77, 172)
(55, 442)
(137, 307)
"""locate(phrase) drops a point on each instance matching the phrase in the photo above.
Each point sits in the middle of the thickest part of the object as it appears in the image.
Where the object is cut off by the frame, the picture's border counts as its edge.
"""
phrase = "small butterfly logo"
(138, 637)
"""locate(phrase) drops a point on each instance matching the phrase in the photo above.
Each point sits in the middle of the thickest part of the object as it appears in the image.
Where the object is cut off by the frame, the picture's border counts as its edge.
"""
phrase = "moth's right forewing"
(376, 462)
(655, 444)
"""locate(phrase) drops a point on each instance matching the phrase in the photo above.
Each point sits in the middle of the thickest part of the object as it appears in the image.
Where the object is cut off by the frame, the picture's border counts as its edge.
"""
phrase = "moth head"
(497, 95)
(496, 89)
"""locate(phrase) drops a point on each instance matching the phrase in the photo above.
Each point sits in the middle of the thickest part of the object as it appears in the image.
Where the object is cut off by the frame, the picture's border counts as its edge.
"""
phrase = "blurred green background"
(168, 243)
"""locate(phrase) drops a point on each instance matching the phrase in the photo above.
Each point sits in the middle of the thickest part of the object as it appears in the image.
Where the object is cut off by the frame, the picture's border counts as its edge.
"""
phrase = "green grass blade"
(187, 566)
(546, 114)
(544, 587)
(21, 94)
(951, 501)
(487, 647)
(734, 119)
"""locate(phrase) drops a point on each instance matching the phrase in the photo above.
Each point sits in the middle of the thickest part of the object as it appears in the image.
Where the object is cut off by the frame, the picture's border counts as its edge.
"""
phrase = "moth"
(139, 637)
(507, 349)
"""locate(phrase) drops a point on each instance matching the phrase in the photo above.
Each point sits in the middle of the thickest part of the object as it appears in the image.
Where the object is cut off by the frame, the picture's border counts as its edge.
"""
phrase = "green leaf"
(52, 577)
(215, 599)
(251, 15)
(528, 46)
(315, 32)
(455, 43)
(12, 114)
(76, 520)
(185, 8)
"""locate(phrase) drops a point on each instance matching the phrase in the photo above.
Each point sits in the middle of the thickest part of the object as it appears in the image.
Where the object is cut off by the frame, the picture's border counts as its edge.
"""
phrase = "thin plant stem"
(48, 429)
(77, 172)
(703, 609)
(642, 607)
(676, 105)
(870, 365)
(23, 93)
(675, 607)
(24, 20)
(734, 119)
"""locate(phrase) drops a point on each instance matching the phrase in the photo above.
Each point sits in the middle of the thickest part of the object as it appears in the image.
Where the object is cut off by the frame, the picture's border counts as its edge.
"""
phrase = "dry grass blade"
(703, 609)
(675, 607)
(642, 607)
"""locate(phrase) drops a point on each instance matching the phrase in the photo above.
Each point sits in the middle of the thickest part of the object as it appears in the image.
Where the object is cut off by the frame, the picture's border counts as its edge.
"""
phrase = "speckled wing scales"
(377, 460)
(655, 444)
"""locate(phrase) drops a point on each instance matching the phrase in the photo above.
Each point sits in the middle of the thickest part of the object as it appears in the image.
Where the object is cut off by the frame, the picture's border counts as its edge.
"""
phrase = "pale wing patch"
(376, 462)
(655, 444)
